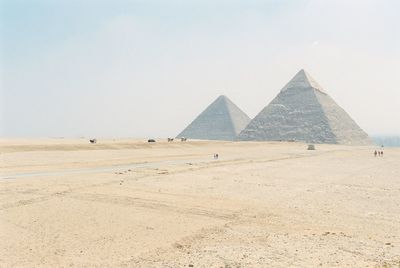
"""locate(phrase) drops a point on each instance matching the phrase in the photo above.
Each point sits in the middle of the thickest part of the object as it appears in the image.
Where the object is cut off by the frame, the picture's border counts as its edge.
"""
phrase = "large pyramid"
(221, 120)
(302, 111)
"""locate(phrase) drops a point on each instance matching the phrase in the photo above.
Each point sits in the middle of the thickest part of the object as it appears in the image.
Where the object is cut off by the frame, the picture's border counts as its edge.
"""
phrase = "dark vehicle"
(311, 147)
(151, 140)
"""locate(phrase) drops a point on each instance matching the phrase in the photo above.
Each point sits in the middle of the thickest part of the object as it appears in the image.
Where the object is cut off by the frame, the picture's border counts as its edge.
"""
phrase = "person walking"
(375, 153)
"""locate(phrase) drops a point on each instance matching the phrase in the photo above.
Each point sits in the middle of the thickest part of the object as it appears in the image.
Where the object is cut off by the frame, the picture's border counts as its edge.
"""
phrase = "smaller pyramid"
(221, 120)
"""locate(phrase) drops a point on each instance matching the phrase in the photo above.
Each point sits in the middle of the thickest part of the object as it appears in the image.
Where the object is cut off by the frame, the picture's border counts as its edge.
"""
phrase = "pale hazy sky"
(120, 68)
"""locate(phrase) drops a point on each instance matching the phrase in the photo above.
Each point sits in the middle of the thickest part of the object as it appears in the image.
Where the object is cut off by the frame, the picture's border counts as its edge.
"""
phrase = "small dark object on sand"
(93, 141)
(311, 147)
(151, 140)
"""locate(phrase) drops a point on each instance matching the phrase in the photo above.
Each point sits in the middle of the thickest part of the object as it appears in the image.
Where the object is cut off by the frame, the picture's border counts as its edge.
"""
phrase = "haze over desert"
(127, 203)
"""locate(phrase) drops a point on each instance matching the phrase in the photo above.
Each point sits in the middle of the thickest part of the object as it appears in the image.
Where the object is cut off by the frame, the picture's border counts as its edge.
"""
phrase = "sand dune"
(126, 203)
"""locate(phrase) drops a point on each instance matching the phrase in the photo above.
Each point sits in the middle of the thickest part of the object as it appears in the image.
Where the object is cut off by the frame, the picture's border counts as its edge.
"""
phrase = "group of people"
(379, 153)
(215, 156)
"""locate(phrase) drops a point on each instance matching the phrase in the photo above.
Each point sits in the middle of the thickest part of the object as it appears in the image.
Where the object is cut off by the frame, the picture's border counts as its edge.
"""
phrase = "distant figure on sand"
(375, 153)
(381, 153)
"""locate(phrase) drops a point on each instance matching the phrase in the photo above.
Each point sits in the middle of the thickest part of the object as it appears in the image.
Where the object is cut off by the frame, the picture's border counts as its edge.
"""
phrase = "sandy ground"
(126, 203)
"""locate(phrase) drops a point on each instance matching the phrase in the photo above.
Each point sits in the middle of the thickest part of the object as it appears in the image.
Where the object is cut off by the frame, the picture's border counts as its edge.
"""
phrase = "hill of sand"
(126, 203)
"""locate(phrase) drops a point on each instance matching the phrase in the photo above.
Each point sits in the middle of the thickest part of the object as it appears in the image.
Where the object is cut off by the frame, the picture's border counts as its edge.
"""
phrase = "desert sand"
(126, 203)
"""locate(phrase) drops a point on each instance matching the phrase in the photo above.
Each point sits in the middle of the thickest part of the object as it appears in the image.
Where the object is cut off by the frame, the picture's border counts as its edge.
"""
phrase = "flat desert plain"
(127, 203)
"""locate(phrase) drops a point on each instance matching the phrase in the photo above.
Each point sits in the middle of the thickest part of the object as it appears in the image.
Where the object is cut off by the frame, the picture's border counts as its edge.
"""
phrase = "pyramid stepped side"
(294, 114)
(221, 120)
(343, 126)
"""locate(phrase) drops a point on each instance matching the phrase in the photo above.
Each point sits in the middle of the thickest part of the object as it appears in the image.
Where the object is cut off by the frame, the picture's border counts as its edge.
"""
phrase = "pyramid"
(303, 111)
(221, 120)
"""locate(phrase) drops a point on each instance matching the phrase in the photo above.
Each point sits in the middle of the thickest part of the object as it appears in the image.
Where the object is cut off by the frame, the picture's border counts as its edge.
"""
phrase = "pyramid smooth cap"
(302, 80)
(222, 97)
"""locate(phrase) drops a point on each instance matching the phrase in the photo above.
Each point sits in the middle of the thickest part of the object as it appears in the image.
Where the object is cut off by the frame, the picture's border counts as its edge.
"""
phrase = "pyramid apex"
(302, 80)
(222, 97)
